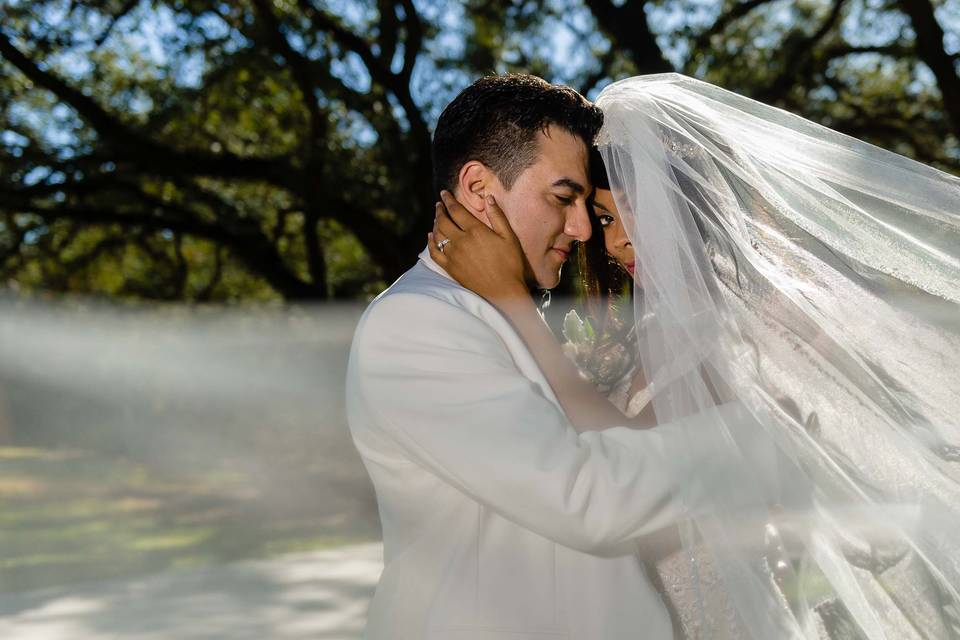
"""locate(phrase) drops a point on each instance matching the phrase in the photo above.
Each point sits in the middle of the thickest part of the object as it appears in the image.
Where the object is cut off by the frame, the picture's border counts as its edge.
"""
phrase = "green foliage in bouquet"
(603, 357)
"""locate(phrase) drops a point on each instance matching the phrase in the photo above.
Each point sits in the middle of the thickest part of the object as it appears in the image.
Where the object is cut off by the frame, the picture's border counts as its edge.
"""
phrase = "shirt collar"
(427, 260)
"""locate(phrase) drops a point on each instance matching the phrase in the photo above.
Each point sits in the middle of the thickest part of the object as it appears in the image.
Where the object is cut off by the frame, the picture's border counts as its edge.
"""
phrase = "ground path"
(319, 595)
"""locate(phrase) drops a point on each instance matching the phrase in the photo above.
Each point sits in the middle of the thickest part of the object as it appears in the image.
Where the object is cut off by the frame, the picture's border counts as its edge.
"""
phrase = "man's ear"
(474, 183)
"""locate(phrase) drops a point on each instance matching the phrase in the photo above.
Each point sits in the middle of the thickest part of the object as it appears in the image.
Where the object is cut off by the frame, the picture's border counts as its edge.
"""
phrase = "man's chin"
(548, 281)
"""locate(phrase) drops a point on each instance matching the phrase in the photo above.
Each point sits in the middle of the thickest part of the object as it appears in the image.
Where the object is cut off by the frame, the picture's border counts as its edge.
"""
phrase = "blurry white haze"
(179, 472)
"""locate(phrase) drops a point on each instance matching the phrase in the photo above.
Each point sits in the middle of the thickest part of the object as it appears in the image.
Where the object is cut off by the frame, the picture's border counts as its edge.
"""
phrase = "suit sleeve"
(444, 388)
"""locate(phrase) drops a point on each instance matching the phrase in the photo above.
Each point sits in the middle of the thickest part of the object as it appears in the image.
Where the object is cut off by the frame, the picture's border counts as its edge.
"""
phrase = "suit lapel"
(479, 307)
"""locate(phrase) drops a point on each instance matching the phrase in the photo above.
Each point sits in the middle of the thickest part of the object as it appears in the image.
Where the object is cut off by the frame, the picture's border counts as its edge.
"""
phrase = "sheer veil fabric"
(815, 278)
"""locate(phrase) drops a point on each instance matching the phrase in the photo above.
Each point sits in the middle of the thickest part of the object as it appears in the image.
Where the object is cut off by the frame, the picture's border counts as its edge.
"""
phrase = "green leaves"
(224, 123)
(578, 331)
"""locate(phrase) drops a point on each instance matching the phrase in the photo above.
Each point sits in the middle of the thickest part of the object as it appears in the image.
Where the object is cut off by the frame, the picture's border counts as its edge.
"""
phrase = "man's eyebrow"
(570, 184)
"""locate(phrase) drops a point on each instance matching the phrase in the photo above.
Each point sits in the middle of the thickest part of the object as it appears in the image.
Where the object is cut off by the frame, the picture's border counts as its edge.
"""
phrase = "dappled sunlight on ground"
(321, 595)
(84, 515)
(137, 442)
(158, 468)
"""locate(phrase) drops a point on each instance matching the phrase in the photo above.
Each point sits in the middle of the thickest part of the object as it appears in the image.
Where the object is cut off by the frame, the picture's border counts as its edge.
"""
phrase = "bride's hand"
(489, 262)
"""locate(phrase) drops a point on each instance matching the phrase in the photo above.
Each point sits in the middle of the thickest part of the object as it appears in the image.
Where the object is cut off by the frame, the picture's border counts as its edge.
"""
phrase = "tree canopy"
(280, 149)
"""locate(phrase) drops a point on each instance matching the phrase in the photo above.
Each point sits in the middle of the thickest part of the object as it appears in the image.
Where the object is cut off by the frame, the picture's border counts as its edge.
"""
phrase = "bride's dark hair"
(607, 297)
(602, 280)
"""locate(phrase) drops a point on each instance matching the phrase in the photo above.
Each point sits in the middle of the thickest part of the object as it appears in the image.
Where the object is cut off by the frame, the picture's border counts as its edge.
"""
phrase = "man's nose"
(578, 223)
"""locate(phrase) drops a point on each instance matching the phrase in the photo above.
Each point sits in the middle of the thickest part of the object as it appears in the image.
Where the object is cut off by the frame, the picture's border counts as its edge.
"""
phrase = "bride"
(741, 251)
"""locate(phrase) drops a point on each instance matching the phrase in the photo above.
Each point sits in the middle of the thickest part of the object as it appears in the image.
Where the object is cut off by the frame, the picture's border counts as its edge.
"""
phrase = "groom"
(499, 520)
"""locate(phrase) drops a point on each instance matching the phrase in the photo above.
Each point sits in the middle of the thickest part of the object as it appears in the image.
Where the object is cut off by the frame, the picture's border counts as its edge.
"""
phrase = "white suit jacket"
(499, 520)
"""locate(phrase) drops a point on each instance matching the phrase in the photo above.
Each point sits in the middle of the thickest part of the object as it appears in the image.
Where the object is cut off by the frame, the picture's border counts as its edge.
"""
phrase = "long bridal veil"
(817, 279)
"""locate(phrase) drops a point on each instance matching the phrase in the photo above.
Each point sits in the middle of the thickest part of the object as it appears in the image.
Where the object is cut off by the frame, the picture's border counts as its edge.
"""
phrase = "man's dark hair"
(496, 121)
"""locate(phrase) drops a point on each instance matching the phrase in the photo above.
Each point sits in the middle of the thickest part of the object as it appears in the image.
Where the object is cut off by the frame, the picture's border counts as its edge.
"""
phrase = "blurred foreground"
(169, 441)
(321, 595)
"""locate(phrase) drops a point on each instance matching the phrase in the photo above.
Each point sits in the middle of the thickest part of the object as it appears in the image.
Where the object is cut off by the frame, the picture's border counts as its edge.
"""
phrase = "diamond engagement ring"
(442, 244)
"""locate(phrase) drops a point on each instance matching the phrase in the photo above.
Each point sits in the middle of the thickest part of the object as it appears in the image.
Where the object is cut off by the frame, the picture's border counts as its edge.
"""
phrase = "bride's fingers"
(435, 253)
(498, 219)
(438, 234)
(444, 225)
(436, 220)
(457, 212)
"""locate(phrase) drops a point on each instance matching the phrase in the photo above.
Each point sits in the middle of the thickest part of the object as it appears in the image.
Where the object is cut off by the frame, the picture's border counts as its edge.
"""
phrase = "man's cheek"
(515, 224)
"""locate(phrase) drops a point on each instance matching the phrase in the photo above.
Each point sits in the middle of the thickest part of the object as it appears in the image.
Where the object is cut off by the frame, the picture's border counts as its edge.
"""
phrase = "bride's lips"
(630, 266)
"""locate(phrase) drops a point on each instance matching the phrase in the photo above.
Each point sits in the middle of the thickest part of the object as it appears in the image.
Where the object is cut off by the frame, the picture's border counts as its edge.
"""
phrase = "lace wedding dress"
(696, 596)
(686, 579)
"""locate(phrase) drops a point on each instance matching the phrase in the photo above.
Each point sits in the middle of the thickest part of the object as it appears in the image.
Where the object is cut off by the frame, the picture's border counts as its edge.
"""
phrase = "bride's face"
(615, 238)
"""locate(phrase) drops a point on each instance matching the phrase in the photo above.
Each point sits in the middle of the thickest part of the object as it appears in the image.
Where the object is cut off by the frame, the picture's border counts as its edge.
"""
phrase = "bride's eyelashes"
(605, 219)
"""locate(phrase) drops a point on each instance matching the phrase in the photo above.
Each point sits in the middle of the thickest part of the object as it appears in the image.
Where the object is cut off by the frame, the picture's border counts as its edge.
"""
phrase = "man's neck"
(541, 297)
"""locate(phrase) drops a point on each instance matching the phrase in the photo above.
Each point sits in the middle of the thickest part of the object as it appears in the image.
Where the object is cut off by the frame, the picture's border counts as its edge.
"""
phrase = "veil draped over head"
(816, 279)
